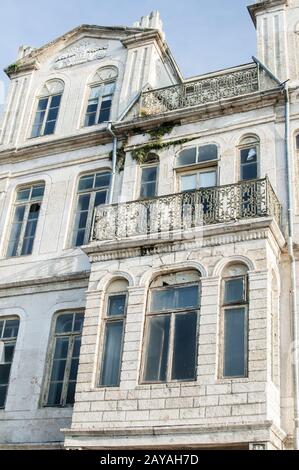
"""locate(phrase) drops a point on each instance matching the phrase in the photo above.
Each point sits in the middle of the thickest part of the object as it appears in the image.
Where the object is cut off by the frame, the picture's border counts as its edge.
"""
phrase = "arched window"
(198, 167)
(171, 328)
(114, 319)
(235, 321)
(99, 103)
(93, 190)
(9, 327)
(47, 108)
(149, 176)
(297, 141)
(249, 157)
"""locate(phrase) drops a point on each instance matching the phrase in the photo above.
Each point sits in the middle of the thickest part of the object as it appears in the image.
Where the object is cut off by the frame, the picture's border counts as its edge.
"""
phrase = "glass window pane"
(83, 202)
(109, 88)
(27, 246)
(235, 342)
(49, 127)
(55, 101)
(70, 398)
(79, 238)
(77, 345)
(297, 142)
(184, 349)
(187, 157)
(207, 179)
(162, 300)
(8, 352)
(187, 297)
(207, 152)
(149, 174)
(78, 325)
(234, 290)
(90, 120)
(74, 369)
(3, 392)
(1, 328)
(23, 194)
(102, 180)
(116, 305)
(95, 92)
(4, 373)
(64, 323)
(112, 354)
(52, 114)
(86, 182)
(104, 114)
(157, 349)
(54, 397)
(249, 172)
(58, 369)
(188, 182)
(249, 155)
(61, 348)
(37, 192)
(100, 198)
(11, 328)
(148, 190)
(42, 104)
(19, 213)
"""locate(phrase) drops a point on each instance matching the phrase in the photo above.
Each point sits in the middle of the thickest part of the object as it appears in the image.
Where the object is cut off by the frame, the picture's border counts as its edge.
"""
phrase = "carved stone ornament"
(82, 52)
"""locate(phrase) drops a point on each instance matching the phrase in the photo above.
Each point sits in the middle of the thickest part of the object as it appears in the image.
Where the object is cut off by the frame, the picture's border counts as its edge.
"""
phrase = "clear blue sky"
(204, 35)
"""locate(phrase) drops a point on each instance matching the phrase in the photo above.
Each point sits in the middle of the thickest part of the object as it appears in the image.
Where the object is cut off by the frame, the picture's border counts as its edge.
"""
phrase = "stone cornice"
(67, 281)
(263, 5)
(210, 235)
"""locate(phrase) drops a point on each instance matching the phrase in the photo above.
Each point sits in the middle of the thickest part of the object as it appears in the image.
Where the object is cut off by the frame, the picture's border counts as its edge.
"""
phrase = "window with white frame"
(114, 324)
(171, 329)
(99, 104)
(205, 159)
(64, 360)
(235, 325)
(9, 328)
(26, 213)
(149, 177)
(249, 158)
(93, 190)
(47, 108)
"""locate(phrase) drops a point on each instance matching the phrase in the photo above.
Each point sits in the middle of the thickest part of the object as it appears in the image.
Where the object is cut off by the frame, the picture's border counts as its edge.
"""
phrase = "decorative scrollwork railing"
(205, 90)
(181, 212)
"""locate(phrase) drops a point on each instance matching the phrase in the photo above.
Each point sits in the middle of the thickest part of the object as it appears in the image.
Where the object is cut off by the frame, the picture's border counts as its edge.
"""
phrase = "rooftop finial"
(152, 21)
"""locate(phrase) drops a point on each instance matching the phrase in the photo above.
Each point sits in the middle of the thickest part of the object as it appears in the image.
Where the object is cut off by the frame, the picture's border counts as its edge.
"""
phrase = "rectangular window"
(46, 115)
(113, 340)
(235, 327)
(26, 214)
(93, 191)
(249, 163)
(171, 345)
(196, 155)
(200, 179)
(65, 359)
(9, 328)
(99, 104)
(235, 342)
(148, 182)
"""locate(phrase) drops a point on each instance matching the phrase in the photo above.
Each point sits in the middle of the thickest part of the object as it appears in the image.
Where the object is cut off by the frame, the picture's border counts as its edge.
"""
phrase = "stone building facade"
(153, 220)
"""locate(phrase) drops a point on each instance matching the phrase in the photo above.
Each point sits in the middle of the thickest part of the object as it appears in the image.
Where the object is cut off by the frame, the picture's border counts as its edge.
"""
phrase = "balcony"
(203, 91)
(181, 213)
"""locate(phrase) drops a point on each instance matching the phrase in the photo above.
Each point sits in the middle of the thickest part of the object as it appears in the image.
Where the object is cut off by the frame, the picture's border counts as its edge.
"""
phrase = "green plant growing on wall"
(12, 68)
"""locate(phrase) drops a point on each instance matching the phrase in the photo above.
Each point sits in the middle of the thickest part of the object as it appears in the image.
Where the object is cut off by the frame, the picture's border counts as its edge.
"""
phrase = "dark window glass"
(297, 142)
(46, 116)
(235, 342)
(112, 353)
(187, 157)
(116, 305)
(65, 360)
(234, 290)
(157, 349)
(148, 182)
(207, 152)
(249, 163)
(8, 335)
(184, 349)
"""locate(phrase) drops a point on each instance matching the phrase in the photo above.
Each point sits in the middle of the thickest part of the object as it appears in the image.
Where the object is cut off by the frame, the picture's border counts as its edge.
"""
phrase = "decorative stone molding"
(81, 52)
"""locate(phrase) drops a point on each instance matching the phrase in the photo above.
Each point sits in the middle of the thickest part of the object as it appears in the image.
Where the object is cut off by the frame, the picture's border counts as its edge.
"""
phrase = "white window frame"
(145, 166)
(231, 306)
(50, 358)
(11, 340)
(108, 320)
(172, 313)
(100, 100)
(255, 142)
(27, 205)
(92, 191)
(197, 172)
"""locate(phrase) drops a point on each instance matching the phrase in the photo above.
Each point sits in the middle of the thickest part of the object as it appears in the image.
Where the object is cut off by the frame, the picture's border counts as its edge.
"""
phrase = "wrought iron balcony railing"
(182, 212)
(217, 87)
